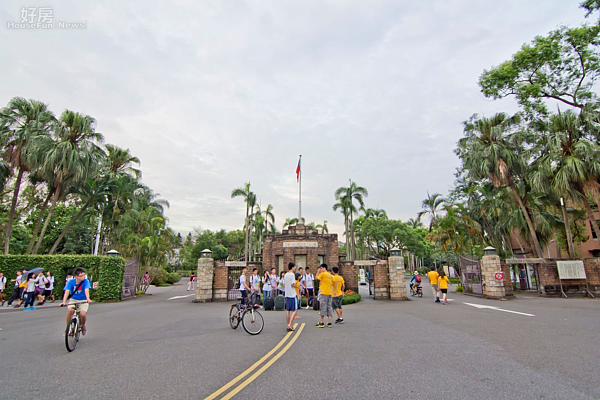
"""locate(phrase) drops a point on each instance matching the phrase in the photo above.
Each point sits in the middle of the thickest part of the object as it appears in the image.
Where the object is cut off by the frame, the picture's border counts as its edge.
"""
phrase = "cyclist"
(80, 287)
(415, 282)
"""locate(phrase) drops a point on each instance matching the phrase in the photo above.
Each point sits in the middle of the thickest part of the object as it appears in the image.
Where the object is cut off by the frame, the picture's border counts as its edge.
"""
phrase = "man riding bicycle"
(80, 287)
(415, 282)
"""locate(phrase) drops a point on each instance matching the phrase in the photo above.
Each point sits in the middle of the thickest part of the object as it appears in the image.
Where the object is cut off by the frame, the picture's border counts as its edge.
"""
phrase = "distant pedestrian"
(281, 283)
(433, 281)
(415, 282)
(2, 287)
(29, 292)
(49, 287)
(325, 295)
(191, 281)
(16, 292)
(255, 284)
(67, 279)
(443, 282)
(244, 288)
(274, 281)
(298, 293)
(290, 296)
(266, 281)
(40, 288)
(338, 294)
(309, 288)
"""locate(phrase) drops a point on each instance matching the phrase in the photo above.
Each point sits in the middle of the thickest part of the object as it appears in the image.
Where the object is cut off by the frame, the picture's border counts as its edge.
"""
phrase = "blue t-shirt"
(79, 294)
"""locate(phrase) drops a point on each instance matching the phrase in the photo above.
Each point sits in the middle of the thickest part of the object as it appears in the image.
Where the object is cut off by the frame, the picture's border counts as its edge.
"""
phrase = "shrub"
(459, 288)
(107, 271)
(454, 280)
(353, 298)
(173, 278)
(159, 277)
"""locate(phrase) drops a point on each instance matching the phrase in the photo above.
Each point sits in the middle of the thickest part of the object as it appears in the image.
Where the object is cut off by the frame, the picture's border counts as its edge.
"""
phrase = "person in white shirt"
(2, 287)
(291, 302)
(49, 287)
(309, 286)
(244, 288)
(40, 284)
(29, 295)
(281, 284)
(266, 280)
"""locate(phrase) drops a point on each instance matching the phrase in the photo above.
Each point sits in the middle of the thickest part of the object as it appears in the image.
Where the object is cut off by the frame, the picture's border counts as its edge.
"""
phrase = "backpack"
(418, 279)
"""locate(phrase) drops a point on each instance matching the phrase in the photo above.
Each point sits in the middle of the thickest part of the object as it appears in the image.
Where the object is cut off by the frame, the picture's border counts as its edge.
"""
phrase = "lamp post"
(113, 253)
(206, 253)
(395, 252)
(490, 251)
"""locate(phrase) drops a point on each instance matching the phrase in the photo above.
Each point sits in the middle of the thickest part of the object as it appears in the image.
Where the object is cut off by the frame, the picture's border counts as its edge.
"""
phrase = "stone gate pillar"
(381, 281)
(397, 277)
(349, 272)
(490, 265)
(204, 279)
(221, 282)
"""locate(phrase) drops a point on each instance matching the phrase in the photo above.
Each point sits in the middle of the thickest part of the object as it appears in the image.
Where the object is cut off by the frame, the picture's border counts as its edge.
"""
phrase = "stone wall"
(492, 288)
(349, 272)
(221, 282)
(397, 279)
(550, 284)
(508, 287)
(204, 280)
(381, 281)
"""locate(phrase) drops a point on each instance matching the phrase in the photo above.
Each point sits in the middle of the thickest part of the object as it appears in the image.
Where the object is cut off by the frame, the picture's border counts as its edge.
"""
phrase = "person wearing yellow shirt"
(325, 295)
(338, 294)
(298, 297)
(433, 281)
(443, 282)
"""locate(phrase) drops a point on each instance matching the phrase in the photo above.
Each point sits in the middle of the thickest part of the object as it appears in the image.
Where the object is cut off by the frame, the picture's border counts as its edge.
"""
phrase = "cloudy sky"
(212, 94)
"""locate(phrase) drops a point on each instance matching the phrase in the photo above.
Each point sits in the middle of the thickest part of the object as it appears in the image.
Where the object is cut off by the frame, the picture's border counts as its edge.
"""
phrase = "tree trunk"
(352, 235)
(347, 234)
(534, 239)
(71, 222)
(39, 222)
(246, 236)
(13, 207)
(46, 223)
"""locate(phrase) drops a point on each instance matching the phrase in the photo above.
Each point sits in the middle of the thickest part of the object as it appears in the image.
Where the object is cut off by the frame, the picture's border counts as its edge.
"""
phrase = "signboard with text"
(300, 244)
(571, 269)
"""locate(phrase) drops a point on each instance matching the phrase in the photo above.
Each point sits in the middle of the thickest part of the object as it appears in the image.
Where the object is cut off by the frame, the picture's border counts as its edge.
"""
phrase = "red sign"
(499, 276)
(95, 285)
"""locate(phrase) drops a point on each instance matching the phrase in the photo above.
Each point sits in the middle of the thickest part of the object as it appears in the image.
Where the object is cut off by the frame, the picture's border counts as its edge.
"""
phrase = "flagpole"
(300, 190)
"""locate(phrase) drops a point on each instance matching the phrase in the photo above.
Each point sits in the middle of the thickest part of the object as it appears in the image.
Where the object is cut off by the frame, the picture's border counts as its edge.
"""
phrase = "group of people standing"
(294, 285)
(27, 287)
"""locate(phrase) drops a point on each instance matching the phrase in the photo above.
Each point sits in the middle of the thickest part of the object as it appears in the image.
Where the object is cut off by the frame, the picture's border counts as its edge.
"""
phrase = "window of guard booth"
(300, 261)
(279, 264)
(321, 259)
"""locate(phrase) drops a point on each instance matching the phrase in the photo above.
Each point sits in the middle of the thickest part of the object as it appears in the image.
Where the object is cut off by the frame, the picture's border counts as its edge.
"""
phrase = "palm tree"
(72, 157)
(347, 196)
(22, 123)
(292, 221)
(414, 223)
(120, 160)
(323, 227)
(570, 162)
(431, 206)
(489, 151)
(269, 220)
(344, 205)
(247, 196)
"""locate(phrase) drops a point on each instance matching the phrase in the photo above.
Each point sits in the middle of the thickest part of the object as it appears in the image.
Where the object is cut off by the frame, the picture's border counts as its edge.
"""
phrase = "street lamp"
(395, 252)
(206, 253)
(490, 251)
(112, 253)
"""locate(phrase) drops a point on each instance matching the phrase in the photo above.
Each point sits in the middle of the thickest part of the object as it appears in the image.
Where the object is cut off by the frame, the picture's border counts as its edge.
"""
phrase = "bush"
(107, 271)
(454, 280)
(459, 288)
(173, 278)
(353, 298)
(159, 277)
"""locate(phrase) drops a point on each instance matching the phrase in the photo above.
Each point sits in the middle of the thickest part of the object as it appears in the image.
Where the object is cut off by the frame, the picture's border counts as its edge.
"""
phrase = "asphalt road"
(155, 348)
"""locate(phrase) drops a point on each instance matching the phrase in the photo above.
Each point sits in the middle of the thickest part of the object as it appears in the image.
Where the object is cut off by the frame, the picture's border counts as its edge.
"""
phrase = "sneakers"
(32, 308)
(437, 300)
(340, 321)
(27, 309)
(320, 325)
(329, 325)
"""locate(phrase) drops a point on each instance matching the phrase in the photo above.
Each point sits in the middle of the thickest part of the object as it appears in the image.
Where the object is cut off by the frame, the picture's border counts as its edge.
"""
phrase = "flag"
(298, 172)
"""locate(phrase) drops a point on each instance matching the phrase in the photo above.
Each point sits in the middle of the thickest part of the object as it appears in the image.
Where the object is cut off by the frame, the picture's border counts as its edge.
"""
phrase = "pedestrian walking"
(2, 287)
(443, 282)
(433, 281)
(338, 294)
(308, 281)
(298, 293)
(290, 296)
(191, 281)
(281, 283)
(40, 287)
(16, 292)
(325, 295)
(29, 292)
(22, 286)
(49, 287)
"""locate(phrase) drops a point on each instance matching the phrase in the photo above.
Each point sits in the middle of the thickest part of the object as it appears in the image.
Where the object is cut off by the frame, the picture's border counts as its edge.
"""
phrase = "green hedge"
(107, 271)
(353, 298)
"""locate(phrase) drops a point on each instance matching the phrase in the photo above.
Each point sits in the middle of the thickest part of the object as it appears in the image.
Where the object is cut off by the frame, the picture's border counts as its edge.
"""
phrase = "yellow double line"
(255, 365)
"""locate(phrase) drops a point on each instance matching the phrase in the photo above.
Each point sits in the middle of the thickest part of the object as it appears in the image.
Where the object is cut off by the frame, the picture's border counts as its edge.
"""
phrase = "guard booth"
(130, 278)
(470, 269)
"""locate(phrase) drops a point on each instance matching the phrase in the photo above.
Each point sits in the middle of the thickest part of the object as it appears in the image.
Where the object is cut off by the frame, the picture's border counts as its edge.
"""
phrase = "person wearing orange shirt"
(325, 295)
(433, 281)
(338, 294)
(443, 282)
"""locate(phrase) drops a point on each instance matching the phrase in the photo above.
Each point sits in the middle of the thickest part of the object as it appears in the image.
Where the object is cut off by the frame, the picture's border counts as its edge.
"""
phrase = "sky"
(212, 94)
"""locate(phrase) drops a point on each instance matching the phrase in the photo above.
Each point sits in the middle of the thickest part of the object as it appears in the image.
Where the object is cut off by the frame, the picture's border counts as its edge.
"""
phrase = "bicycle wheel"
(253, 321)
(234, 316)
(70, 335)
(420, 293)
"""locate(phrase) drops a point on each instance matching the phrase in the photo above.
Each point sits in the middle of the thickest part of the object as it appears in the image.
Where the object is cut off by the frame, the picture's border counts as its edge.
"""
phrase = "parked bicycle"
(73, 330)
(248, 315)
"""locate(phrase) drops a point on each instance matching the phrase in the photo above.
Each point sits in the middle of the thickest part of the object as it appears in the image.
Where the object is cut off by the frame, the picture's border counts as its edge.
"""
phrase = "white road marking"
(498, 309)
(180, 297)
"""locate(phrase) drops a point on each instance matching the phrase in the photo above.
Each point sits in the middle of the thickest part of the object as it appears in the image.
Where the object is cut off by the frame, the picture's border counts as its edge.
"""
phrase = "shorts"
(291, 303)
(47, 292)
(444, 290)
(325, 305)
(336, 303)
(83, 305)
(311, 292)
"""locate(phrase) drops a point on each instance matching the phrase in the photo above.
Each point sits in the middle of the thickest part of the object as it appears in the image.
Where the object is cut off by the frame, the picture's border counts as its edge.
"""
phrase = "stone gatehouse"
(302, 245)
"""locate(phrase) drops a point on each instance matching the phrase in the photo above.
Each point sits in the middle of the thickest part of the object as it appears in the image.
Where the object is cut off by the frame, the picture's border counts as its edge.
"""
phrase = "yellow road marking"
(254, 366)
(264, 368)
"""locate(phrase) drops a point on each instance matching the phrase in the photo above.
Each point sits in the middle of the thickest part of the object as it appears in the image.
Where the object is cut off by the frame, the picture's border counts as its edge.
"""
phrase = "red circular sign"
(499, 276)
